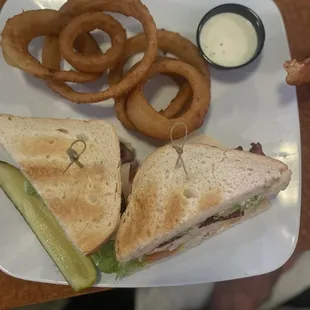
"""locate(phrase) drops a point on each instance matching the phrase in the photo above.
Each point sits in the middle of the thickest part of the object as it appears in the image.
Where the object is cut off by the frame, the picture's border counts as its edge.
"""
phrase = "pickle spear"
(77, 269)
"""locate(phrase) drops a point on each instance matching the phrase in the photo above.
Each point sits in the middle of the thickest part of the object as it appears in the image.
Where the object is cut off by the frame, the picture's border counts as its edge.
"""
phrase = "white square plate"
(248, 105)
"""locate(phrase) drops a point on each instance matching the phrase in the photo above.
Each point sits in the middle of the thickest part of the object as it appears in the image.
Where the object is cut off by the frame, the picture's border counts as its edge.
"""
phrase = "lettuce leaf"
(254, 201)
(29, 189)
(106, 262)
(105, 258)
(128, 268)
(235, 208)
(227, 212)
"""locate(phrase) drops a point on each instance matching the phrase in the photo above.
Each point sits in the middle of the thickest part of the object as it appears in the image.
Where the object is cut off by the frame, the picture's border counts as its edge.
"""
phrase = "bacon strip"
(256, 149)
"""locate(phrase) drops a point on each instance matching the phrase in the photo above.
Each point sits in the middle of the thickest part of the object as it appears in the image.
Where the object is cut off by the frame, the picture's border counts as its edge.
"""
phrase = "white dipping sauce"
(228, 39)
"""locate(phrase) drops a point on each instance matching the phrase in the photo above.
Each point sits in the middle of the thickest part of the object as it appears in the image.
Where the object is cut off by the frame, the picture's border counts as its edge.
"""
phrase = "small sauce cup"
(230, 36)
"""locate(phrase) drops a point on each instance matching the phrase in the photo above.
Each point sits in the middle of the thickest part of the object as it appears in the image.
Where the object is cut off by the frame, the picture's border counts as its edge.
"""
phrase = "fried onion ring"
(86, 23)
(176, 104)
(133, 8)
(8, 60)
(51, 56)
(168, 42)
(16, 38)
(298, 73)
(148, 121)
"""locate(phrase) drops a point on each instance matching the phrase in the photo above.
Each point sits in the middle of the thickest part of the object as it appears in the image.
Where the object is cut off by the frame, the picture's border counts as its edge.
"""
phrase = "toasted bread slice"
(85, 200)
(164, 203)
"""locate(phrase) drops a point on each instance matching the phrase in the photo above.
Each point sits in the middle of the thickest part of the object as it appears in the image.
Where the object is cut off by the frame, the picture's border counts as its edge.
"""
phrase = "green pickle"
(78, 270)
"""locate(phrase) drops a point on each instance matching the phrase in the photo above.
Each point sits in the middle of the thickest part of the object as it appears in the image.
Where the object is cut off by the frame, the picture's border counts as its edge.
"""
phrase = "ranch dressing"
(228, 39)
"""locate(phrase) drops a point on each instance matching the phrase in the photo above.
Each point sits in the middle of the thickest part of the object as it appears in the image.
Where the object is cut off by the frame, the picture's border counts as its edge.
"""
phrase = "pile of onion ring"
(67, 35)
(180, 47)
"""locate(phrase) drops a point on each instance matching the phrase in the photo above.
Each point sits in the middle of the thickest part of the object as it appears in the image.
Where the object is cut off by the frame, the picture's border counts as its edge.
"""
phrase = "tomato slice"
(160, 255)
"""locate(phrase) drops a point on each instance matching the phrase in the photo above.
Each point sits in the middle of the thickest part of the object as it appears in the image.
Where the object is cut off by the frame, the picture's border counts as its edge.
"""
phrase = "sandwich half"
(169, 211)
(84, 197)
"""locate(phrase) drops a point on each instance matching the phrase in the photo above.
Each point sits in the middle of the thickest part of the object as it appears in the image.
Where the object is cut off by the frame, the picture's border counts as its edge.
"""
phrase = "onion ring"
(176, 104)
(298, 73)
(8, 60)
(16, 38)
(168, 42)
(87, 44)
(86, 23)
(133, 8)
(51, 56)
(148, 121)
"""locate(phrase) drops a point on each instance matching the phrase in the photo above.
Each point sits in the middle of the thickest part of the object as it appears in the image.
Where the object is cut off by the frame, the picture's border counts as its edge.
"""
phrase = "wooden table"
(296, 14)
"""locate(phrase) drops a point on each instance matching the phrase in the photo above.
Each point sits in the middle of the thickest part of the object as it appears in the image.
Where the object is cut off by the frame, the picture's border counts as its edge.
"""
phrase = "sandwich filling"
(106, 261)
(195, 234)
